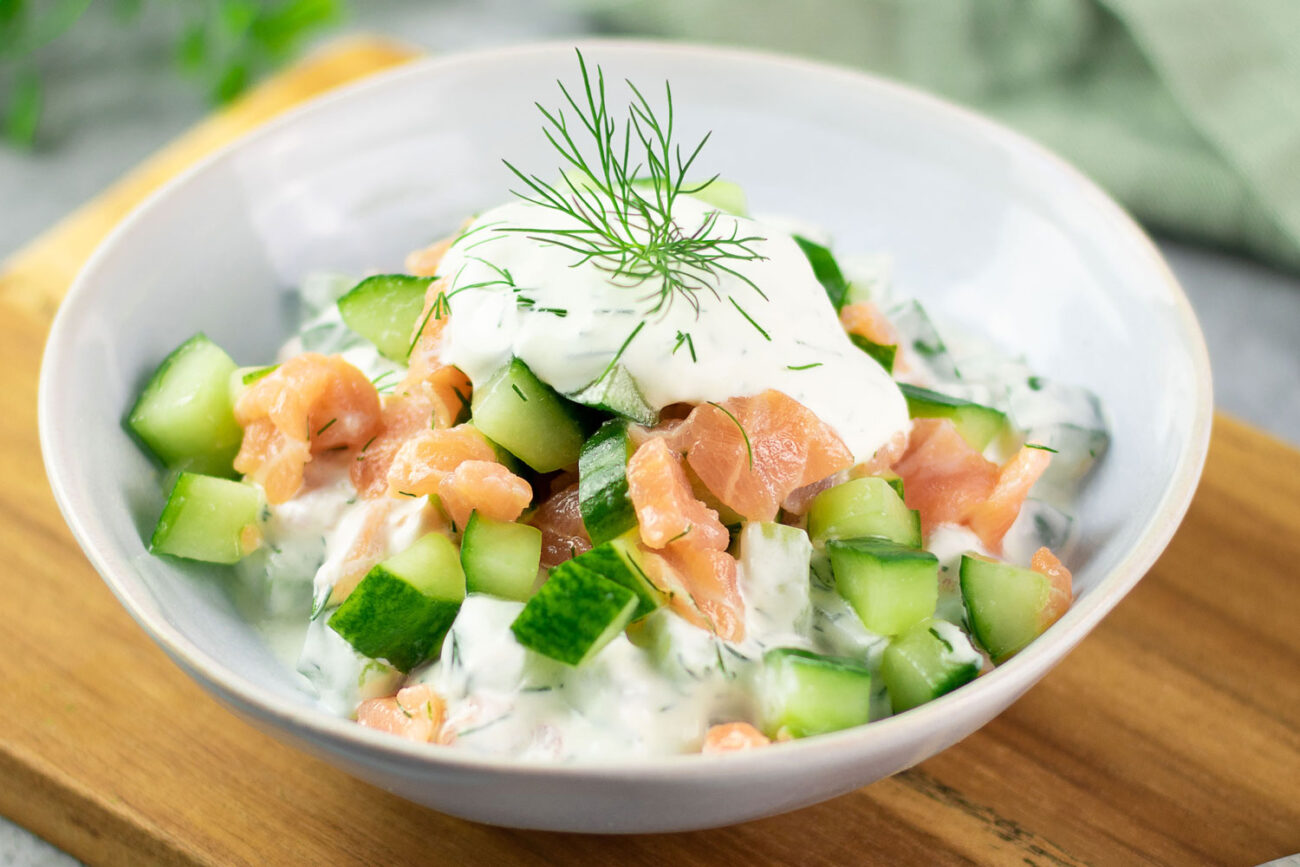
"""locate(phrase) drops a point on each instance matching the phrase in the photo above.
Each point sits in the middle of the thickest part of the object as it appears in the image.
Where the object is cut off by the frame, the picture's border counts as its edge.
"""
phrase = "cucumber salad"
(616, 469)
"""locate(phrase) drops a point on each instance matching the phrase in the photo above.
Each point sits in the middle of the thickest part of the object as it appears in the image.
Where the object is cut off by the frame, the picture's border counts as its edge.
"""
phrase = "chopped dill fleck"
(748, 448)
(942, 640)
(803, 366)
(407, 494)
(515, 389)
(327, 426)
(745, 314)
(1041, 448)
(680, 535)
(685, 337)
(441, 306)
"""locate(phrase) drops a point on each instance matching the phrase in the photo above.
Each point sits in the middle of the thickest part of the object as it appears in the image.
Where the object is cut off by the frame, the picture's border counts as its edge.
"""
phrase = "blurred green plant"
(222, 45)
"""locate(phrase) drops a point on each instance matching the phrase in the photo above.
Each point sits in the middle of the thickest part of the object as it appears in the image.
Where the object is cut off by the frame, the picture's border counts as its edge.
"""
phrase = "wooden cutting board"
(1168, 736)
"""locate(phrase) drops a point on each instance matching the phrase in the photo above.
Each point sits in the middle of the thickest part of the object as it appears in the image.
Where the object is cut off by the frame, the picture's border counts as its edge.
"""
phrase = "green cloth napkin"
(1187, 111)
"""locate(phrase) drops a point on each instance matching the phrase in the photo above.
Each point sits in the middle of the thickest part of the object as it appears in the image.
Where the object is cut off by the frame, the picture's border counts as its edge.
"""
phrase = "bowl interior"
(993, 233)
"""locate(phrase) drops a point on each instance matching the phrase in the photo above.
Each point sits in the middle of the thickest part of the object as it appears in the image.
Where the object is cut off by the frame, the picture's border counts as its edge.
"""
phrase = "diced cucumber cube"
(774, 560)
(500, 558)
(210, 519)
(804, 693)
(883, 353)
(185, 415)
(402, 609)
(825, 269)
(863, 507)
(924, 344)
(574, 615)
(978, 424)
(930, 659)
(385, 309)
(526, 417)
(891, 587)
(616, 560)
(617, 392)
(602, 483)
(1006, 605)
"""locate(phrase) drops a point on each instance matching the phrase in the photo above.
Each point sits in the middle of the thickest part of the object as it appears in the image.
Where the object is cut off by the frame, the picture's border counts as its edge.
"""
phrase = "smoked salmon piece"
(709, 578)
(944, 478)
(310, 404)
(404, 416)
(1044, 562)
(884, 458)
(949, 482)
(564, 536)
(753, 452)
(416, 713)
(425, 261)
(992, 518)
(486, 487)
(733, 737)
(423, 460)
(683, 542)
(666, 510)
(445, 387)
(865, 320)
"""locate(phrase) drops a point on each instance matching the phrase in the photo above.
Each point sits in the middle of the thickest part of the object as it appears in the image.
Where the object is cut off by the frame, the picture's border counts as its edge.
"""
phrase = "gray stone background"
(113, 98)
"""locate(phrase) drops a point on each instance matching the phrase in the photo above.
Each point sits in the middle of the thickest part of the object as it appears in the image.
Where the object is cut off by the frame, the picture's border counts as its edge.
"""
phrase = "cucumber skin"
(884, 354)
(1004, 605)
(603, 498)
(183, 532)
(825, 269)
(615, 562)
(213, 437)
(805, 693)
(404, 297)
(518, 424)
(402, 609)
(574, 615)
(891, 587)
(480, 546)
(978, 424)
(869, 506)
(617, 393)
(914, 669)
(386, 618)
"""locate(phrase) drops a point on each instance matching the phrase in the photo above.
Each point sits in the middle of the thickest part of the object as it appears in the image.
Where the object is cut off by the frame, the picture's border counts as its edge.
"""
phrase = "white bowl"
(984, 226)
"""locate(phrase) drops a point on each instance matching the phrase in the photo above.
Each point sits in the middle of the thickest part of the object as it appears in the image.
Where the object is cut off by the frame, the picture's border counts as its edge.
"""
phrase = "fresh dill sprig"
(621, 211)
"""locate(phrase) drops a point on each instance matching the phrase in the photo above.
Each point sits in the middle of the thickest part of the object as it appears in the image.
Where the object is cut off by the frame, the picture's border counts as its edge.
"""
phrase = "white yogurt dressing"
(657, 688)
(847, 389)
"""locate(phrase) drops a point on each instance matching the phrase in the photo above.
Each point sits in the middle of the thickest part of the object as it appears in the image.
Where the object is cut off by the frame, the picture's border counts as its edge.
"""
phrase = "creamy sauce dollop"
(800, 350)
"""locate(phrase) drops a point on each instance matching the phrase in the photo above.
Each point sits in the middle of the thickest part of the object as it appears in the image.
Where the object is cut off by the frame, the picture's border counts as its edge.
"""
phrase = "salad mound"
(616, 469)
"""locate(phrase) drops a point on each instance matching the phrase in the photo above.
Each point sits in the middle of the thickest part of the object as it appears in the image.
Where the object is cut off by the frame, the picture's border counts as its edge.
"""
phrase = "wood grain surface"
(1169, 736)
